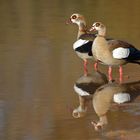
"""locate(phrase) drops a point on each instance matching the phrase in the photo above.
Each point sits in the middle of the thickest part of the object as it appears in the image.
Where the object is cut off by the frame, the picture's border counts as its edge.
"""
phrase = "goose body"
(121, 97)
(107, 53)
(82, 46)
(113, 52)
(111, 93)
(85, 86)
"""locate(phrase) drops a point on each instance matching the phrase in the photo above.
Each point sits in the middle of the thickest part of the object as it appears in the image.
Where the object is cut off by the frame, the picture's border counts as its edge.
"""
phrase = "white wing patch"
(120, 53)
(121, 98)
(80, 91)
(79, 43)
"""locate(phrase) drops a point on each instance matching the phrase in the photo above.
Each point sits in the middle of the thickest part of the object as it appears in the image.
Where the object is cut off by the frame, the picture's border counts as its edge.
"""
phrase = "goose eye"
(97, 24)
(74, 17)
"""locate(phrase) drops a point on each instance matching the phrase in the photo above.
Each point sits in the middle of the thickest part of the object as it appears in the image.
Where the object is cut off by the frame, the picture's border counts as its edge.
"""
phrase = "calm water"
(38, 69)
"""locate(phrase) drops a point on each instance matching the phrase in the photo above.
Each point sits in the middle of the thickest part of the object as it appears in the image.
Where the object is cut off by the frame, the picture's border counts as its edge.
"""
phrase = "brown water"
(38, 69)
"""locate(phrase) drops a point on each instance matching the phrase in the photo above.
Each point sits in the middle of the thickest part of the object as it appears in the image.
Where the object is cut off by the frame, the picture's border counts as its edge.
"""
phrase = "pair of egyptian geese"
(110, 52)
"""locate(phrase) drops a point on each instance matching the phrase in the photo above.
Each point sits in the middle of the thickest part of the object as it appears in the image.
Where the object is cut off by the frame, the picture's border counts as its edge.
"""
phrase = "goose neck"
(82, 29)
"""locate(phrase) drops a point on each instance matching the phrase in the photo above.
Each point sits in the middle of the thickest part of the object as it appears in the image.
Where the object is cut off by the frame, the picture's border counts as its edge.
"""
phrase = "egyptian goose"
(85, 87)
(108, 94)
(113, 52)
(82, 47)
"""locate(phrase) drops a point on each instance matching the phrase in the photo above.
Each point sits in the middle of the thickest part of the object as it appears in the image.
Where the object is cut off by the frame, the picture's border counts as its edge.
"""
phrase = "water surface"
(38, 68)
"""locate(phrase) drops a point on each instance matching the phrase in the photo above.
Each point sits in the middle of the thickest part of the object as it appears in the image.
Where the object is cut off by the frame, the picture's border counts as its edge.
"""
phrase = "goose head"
(76, 19)
(98, 26)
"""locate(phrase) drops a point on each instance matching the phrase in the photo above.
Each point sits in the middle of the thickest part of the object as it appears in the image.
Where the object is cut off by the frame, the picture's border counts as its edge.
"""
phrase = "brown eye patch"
(97, 24)
(74, 17)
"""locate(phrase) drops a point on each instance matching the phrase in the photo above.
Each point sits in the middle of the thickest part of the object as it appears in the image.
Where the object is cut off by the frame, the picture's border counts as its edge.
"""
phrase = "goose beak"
(69, 21)
(92, 29)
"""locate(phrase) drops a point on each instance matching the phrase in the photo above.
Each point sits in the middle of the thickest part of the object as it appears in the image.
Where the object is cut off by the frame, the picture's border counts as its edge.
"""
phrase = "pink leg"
(85, 67)
(96, 66)
(121, 74)
(110, 73)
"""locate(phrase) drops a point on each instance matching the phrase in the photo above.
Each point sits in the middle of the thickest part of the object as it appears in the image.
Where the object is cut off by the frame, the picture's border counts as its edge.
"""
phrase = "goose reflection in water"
(108, 94)
(85, 86)
(103, 95)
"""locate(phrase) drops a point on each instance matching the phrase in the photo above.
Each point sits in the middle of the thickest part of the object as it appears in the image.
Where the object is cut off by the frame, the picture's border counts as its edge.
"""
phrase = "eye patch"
(97, 24)
(74, 17)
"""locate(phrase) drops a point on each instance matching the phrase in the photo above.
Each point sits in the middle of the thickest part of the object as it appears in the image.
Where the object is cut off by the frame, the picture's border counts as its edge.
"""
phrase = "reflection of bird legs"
(121, 74)
(81, 110)
(110, 73)
(125, 77)
(85, 67)
(96, 66)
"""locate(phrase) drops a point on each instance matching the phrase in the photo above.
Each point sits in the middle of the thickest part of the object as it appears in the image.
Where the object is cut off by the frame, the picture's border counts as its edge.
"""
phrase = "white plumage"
(121, 98)
(121, 53)
(79, 43)
(80, 91)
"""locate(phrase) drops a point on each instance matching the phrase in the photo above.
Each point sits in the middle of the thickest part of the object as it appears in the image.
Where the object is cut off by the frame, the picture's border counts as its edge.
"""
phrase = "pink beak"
(92, 29)
(69, 21)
